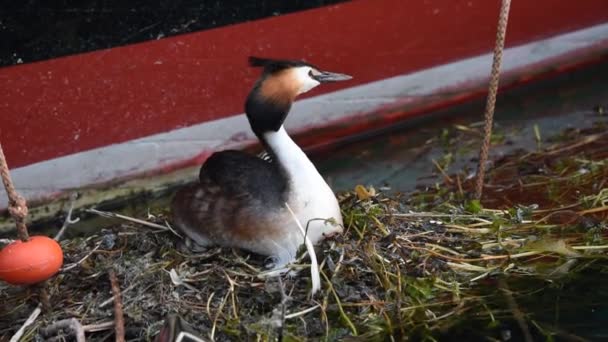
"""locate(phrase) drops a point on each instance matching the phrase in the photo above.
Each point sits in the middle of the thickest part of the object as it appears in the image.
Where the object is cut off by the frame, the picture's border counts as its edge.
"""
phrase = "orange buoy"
(31, 261)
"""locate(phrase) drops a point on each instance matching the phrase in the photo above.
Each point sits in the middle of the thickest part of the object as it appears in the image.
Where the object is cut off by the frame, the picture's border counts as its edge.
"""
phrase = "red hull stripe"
(66, 105)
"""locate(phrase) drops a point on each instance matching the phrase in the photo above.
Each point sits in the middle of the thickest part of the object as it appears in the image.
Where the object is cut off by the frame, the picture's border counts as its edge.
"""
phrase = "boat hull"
(106, 116)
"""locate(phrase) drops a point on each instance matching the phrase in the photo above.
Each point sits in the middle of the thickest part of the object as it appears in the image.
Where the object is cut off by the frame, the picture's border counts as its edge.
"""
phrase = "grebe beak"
(326, 76)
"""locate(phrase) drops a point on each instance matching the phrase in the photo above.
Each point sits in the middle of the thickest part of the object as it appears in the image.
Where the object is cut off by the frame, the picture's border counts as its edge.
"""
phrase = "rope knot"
(18, 209)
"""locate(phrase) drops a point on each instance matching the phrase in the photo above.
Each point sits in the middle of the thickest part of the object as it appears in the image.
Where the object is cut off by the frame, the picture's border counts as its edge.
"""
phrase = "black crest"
(273, 65)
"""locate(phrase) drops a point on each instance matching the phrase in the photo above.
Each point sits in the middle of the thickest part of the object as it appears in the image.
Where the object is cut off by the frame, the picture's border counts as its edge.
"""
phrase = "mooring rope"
(491, 100)
(17, 206)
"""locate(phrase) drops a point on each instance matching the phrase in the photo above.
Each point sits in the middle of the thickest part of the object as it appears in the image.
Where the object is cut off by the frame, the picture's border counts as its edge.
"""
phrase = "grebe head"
(280, 83)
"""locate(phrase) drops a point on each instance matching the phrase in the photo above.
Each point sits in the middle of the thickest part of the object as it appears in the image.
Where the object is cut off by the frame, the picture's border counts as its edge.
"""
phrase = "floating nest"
(432, 264)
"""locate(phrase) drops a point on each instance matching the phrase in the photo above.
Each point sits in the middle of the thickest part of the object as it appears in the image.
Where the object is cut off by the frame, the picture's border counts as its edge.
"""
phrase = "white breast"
(311, 198)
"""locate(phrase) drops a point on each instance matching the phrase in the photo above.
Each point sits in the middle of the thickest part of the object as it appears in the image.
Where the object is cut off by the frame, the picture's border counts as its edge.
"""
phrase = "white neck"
(310, 196)
(291, 157)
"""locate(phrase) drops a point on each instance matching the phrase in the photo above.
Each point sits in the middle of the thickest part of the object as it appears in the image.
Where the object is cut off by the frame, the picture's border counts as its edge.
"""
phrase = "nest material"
(407, 267)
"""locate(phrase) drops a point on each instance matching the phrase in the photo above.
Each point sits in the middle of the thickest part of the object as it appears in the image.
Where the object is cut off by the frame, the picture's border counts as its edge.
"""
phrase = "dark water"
(574, 308)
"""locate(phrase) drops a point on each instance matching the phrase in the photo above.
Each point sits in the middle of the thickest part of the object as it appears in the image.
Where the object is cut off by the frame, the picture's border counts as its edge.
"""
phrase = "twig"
(468, 267)
(284, 300)
(303, 312)
(459, 185)
(557, 332)
(70, 266)
(586, 140)
(585, 248)
(71, 323)
(459, 228)
(442, 248)
(343, 314)
(482, 258)
(439, 215)
(111, 299)
(183, 334)
(134, 220)
(208, 307)
(68, 220)
(26, 324)
(517, 314)
(98, 326)
(232, 295)
(43, 295)
(119, 319)
(593, 210)
(446, 177)
(314, 265)
(217, 316)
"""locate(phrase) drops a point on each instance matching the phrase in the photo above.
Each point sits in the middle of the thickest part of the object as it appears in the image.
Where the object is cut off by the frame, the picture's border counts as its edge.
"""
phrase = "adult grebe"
(240, 198)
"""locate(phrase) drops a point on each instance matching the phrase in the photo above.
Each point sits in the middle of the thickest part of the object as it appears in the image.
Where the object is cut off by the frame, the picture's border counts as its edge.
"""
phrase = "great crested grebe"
(240, 198)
